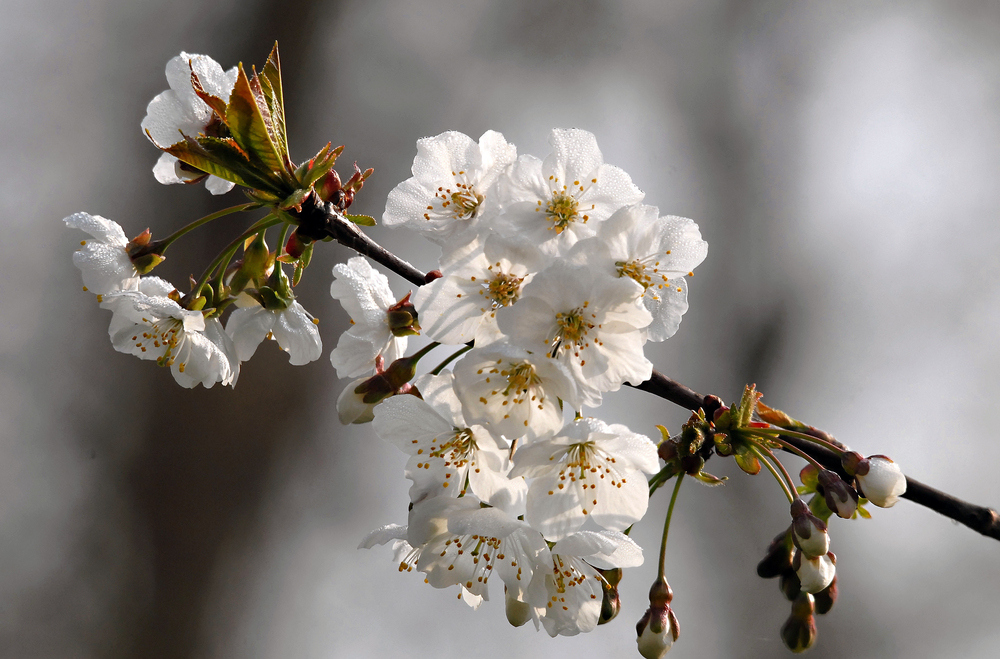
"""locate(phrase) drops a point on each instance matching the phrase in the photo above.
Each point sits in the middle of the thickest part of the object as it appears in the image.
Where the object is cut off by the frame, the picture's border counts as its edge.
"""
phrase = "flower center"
(457, 449)
(504, 289)
(520, 378)
(562, 211)
(572, 330)
(462, 202)
(636, 270)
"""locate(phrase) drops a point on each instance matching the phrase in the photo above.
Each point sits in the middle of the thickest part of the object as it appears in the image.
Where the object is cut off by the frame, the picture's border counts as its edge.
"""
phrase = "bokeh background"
(841, 159)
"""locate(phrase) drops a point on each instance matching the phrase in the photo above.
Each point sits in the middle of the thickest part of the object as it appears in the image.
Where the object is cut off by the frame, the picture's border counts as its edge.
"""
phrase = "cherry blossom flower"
(589, 469)
(179, 111)
(197, 350)
(104, 262)
(514, 392)
(452, 177)
(478, 278)
(293, 328)
(814, 573)
(448, 456)
(656, 252)
(567, 592)
(557, 201)
(591, 322)
(882, 482)
(364, 292)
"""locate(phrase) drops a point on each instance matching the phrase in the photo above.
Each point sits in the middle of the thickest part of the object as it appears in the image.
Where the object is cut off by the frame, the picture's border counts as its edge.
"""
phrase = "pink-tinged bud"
(329, 187)
(814, 573)
(884, 482)
(809, 531)
(432, 275)
(657, 630)
(840, 497)
(296, 245)
(799, 631)
(826, 598)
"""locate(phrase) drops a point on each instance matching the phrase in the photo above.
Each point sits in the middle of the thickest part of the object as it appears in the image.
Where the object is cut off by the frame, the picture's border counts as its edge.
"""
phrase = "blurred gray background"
(840, 158)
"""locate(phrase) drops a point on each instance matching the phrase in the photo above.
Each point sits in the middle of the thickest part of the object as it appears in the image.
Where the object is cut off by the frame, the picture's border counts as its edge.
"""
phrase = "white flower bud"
(884, 482)
(351, 408)
(657, 631)
(815, 574)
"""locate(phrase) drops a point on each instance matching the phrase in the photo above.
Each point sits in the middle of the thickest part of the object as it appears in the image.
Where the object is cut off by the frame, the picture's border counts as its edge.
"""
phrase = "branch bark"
(978, 518)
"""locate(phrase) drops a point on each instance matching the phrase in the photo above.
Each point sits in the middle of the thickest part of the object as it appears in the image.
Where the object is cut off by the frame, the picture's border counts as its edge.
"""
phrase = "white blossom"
(179, 112)
(198, 351)
(293, 328)
(591, 322)
(588, 469)
(567, 593)
(884, 482)
(478, 278)
(657, 252)
(452, 177)
(514, 392)
(444, 450)
(557, 201)
(364, 292)
(104, 262)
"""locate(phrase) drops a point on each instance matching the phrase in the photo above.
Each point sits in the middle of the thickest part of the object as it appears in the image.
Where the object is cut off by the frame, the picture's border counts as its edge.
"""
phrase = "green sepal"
(294, 200)
(748, 462)
(145, 263)
(709, 479)
(861, 511)
(361, 220)
(198, 304)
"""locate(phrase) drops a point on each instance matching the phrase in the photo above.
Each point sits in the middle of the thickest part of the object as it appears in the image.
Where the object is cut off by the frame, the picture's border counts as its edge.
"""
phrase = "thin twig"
(978, 518)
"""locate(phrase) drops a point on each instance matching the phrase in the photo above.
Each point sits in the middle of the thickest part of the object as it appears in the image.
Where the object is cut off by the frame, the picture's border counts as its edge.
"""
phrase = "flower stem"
(423, 351)
(222, 260)
(455, 355)
(774, 472)
(789, 447)
(666, 524)
(166, 242)
(801, 435)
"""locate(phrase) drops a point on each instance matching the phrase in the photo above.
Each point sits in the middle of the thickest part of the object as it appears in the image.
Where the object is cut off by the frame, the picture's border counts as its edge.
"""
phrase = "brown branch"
(982, 520)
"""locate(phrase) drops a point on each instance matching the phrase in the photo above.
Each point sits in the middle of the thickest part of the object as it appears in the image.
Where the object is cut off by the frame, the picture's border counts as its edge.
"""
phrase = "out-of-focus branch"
(978, 518)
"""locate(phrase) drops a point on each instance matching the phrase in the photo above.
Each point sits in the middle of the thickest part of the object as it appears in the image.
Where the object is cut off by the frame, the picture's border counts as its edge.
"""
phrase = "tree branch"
(978, 518)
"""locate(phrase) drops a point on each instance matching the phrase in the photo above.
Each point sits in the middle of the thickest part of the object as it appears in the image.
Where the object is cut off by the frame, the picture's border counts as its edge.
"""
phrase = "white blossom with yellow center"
(656, 252)
(557, 201)
(588, 470)
(513, 392)
(478, 278)
(593, 323)
(567, 592)
(449, 192)
(197, 351)
(448, 457)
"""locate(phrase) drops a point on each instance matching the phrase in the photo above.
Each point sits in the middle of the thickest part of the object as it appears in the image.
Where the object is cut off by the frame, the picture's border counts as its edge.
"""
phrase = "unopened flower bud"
(789, 584)
(840, 497)
(296, 245)
(611, 603)
(809, 531)
(329, 187)
(778, 558)
(883, 483)
(402, 318)
(799, 631)
(657, 630)
(814, 573)
(826, 598)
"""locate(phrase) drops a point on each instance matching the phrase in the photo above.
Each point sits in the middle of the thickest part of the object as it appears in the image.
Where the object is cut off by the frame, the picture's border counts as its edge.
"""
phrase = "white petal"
(248, 327)
(298, 335)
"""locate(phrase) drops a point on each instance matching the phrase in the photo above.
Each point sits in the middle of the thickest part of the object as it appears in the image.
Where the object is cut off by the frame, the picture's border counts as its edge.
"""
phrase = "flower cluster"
(554, 276)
